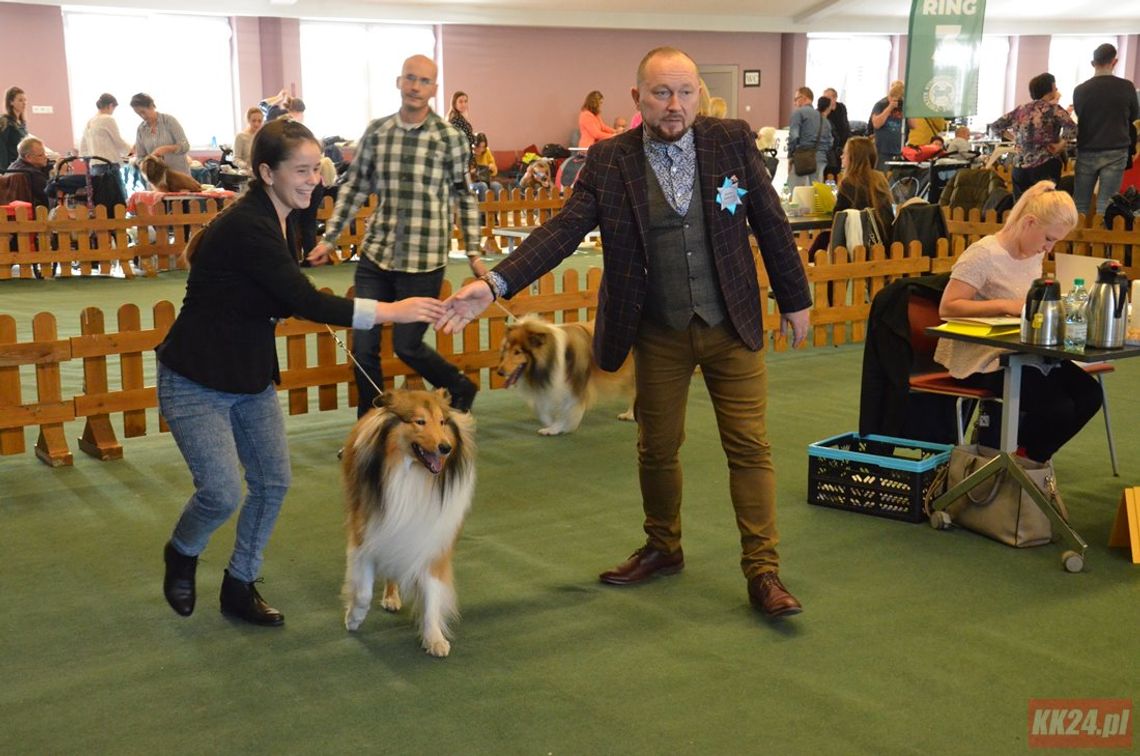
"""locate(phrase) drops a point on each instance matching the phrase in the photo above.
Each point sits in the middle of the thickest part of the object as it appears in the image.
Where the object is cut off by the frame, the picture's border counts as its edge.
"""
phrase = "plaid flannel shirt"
(415, 174)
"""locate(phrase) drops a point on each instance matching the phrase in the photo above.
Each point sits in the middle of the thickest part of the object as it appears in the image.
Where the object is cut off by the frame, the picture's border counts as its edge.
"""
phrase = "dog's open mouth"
(433, 461)
(514, 377)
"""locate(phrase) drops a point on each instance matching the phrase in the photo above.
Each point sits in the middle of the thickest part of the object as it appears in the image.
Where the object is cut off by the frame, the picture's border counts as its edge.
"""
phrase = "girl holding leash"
(218, 365)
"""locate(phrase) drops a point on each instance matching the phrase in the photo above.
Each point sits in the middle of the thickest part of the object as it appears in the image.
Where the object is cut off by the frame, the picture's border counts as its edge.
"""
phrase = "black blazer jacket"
(611, 194)
(243, 277)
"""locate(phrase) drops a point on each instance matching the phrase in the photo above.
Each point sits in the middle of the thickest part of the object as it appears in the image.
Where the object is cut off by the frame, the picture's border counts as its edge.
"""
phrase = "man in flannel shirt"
(416, 164)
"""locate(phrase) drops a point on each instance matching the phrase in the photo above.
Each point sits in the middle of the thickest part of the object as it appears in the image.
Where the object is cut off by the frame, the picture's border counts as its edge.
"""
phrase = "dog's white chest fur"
(418, 522)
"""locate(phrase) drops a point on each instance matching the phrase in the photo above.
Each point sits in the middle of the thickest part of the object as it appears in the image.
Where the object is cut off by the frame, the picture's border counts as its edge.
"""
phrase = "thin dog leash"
(348, 352)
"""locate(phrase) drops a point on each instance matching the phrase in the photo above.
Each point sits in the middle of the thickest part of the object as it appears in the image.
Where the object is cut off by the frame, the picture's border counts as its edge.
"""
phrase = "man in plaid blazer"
(675, 201)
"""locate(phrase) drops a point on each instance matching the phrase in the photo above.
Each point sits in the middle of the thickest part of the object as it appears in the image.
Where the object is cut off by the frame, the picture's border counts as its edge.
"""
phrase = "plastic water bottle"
(1076, 316)
(214, 142)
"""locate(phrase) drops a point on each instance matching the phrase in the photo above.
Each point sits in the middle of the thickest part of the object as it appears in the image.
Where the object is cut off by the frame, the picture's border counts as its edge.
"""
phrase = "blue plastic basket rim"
(819, 449)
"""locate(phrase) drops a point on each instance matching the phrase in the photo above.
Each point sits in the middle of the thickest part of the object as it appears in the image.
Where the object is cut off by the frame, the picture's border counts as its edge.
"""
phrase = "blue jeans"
(407, 338)
(219, 434)
(480, 188)
(1108, 166)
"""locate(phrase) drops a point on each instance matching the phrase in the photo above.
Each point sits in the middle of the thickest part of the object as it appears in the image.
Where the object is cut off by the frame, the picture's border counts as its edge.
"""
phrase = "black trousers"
(407, 338)
(1054, 407)
(1023, 178)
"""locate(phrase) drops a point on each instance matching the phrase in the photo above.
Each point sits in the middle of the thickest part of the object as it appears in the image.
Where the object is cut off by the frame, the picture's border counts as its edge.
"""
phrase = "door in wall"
(722, 81)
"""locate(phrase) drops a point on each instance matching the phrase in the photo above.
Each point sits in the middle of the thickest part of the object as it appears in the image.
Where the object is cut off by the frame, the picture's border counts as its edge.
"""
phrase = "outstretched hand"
(320, 254)
(412, 310)
(464, 306)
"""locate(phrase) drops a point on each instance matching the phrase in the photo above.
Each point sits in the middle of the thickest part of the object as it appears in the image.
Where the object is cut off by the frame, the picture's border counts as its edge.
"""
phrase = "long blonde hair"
(1045, 203)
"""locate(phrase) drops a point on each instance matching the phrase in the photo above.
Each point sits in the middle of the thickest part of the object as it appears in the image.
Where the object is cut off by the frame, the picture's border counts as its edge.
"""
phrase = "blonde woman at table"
(160, 135)
(991, 278)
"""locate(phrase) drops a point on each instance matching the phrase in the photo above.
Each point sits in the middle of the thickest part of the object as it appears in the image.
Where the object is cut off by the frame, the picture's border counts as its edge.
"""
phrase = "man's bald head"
(417, 87)
(662, 52)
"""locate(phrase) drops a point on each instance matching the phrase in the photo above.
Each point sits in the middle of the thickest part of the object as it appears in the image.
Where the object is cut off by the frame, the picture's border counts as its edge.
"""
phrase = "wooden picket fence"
(151, 241)
(843, 284)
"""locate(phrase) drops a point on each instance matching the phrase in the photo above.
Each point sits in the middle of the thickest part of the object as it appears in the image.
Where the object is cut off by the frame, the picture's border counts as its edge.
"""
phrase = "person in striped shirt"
(416, 164)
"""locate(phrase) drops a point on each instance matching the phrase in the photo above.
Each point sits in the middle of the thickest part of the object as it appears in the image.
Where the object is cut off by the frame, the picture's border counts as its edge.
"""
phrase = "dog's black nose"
(445, 448)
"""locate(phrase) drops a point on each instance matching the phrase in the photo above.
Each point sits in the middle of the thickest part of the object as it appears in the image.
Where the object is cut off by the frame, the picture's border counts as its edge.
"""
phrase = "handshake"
(449, 316)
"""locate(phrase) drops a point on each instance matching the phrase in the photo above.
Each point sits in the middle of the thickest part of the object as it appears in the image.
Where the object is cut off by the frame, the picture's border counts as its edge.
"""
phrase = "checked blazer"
(611, 194)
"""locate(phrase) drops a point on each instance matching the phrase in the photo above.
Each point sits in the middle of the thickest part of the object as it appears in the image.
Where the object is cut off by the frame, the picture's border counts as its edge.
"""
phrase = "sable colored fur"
(164, 179)
(409, 478)
(554, 367)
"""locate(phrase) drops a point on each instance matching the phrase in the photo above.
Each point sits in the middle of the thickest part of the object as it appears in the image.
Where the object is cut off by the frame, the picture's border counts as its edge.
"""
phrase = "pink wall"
(793, 75)
(280, 56)
(247, 46)
(527, 85)
(1032, 59)
(32, 58)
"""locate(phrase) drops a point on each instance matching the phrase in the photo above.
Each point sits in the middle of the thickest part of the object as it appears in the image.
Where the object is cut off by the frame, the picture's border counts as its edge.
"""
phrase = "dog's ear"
(536, 340)
(444, 396)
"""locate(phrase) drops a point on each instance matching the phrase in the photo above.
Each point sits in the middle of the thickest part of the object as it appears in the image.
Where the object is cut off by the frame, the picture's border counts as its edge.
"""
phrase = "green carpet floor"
(912, 641)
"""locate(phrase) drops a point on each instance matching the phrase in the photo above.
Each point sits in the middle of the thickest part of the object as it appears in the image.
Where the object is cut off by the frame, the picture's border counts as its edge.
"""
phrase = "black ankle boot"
(178, 583)
(241, 600)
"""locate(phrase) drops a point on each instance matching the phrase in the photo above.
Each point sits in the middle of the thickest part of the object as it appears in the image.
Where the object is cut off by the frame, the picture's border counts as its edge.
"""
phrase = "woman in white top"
(101, 137)
(243, 141)
(991, 278)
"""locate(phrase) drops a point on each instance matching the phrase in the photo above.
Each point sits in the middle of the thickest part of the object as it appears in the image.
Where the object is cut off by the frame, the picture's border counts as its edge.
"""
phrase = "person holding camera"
(888, 124)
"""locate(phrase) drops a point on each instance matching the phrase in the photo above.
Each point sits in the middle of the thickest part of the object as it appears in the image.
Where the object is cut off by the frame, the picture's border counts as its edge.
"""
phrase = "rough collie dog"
(409, 476)
(166, 180)
(554, 367)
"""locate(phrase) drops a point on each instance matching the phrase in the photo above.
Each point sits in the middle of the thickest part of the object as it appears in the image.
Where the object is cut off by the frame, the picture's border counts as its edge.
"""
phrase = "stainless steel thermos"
(1108, 307)
(1043, 315)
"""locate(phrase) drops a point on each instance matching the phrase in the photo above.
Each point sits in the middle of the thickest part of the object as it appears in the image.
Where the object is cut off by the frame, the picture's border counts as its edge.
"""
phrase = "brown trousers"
(736, 378)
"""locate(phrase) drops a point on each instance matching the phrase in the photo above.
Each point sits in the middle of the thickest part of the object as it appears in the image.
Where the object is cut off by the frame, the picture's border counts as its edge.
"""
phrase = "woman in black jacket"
(218, 365)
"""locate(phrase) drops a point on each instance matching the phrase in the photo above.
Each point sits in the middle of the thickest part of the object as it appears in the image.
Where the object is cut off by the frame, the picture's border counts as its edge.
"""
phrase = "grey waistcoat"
(682, 274)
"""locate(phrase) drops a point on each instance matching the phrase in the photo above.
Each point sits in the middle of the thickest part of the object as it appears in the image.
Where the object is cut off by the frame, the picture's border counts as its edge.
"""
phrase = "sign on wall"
(943, 57)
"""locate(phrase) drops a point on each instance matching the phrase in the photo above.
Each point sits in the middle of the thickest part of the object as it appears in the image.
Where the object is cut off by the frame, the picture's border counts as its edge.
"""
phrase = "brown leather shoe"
(769, 595)
(644, 564)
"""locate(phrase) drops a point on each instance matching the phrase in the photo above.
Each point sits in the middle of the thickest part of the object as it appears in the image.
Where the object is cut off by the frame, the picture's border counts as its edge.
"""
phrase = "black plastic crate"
(878, 475)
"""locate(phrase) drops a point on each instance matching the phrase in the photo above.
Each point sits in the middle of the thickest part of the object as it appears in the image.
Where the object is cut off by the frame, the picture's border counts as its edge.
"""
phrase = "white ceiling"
(841, 16)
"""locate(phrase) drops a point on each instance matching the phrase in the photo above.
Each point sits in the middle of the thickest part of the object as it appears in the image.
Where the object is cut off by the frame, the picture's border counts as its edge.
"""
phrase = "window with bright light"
(122, 53)
(346, 90)
(993, 71)
(856, 67)
(1070, 61)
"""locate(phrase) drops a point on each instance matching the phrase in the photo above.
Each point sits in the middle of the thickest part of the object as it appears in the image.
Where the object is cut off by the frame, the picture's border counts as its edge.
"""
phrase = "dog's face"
(523, 347)
(153, 168)
(426, 431)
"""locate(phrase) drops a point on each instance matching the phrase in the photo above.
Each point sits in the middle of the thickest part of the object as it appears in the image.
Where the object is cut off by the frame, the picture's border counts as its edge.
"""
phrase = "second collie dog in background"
(554, 367)
(409, 477)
